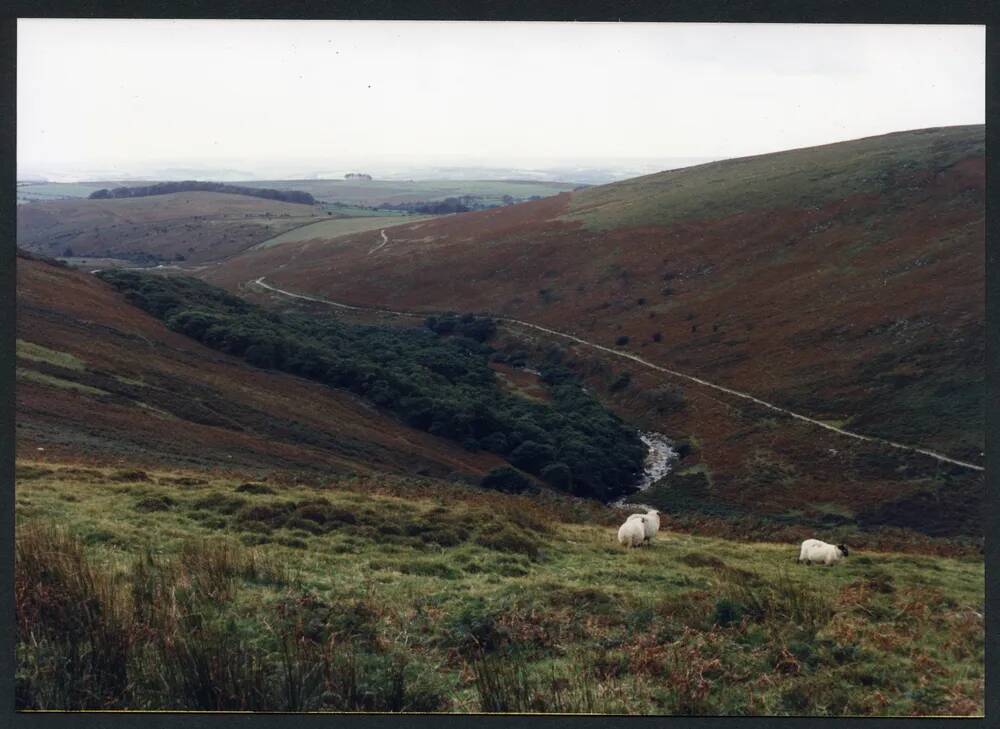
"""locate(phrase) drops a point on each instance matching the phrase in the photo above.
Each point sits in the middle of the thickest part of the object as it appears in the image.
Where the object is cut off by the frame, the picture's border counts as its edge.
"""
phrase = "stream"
(658, 462)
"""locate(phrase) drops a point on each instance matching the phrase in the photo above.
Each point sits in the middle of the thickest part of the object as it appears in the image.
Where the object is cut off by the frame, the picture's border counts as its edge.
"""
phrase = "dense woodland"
(165, 188)
(435, 378)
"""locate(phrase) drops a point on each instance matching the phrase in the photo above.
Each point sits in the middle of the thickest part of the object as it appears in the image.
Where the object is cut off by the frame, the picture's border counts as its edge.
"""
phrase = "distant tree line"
(463, 204)
(435, 378)
(437, 207)
(165, 188)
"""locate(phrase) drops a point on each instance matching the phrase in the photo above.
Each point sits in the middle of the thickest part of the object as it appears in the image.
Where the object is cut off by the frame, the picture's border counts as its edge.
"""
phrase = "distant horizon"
(595, 171)
(277, 98)
(235, 172)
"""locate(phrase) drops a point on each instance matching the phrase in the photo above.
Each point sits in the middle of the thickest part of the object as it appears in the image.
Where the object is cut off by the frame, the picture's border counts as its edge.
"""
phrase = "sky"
(304, 98)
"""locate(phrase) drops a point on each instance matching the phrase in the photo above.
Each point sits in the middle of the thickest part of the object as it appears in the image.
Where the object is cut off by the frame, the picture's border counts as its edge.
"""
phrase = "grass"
(30, 375)
(38, 353)
(339, 226)
(782, 180)
(53, 191)
(176, 590)
(376, 192)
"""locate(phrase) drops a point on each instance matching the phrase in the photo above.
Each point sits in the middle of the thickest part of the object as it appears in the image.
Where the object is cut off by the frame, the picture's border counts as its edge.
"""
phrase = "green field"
(376, 192)
(362, 194)
(339, 226)
(189, 590)
(53, 191)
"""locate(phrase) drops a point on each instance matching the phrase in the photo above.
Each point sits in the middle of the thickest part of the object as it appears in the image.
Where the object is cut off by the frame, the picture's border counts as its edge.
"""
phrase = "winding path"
(385, 239)
(644, 363)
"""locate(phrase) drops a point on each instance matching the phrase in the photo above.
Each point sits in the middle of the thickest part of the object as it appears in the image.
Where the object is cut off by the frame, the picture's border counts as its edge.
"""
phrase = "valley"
(384, 456)
(710, 301)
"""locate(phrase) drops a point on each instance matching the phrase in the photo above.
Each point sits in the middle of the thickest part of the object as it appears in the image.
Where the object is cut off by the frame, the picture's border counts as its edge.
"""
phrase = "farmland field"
(338, 227)
(377, 192)
(53, 191)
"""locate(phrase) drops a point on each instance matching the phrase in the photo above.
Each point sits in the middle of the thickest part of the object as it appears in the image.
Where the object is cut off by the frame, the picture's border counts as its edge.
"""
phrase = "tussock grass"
(29, 375)
(408, 595)
(38, 353)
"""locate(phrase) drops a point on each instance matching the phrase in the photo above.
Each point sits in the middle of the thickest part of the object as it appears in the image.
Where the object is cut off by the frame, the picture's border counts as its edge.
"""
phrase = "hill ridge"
(636, 358)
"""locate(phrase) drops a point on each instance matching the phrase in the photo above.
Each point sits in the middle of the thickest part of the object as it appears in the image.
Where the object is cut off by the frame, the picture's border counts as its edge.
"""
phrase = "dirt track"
(625, 355)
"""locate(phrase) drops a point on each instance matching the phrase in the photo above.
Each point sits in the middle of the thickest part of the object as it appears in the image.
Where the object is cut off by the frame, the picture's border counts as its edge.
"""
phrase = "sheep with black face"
(813, 550)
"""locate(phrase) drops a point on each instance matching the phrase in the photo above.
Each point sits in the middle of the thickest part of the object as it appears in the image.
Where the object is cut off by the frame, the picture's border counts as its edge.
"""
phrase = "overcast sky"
(129, 96)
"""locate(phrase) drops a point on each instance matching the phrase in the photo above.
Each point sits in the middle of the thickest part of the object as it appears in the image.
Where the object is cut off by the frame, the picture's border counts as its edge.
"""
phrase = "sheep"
(651, 523)
(632, 533)
(813, 550)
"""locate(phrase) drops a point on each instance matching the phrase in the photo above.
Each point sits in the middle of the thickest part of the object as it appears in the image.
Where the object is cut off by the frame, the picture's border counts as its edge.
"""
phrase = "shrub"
(154, 503)
(558, 475)
(129, 475)
(727, 612)
(506, 479)
(222, 503)
(253, 488)
(621, 341)
(509, 539)
(532, 456)
(621, 382)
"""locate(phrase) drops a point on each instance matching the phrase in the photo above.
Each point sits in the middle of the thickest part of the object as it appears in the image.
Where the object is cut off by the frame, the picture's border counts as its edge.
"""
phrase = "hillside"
(100, 381)
(845, 282)
(193, 227)
(394, 192)
(192, 590)
(165, 188)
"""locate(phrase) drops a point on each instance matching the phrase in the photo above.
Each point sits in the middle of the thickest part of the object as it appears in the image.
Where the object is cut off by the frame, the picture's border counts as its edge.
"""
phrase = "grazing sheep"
(632, 532)
(651, 523)
(813, 550)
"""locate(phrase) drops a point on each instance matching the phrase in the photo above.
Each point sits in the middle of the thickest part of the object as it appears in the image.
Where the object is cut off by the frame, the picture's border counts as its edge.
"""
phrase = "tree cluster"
(435, 379)
(165, 188)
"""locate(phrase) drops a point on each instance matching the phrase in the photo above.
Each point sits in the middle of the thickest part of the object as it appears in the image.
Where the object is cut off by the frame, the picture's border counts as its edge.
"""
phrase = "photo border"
(785, 11)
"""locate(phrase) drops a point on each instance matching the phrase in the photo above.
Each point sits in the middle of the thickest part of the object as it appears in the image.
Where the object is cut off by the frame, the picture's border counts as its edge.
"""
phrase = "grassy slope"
(100, 380)
(478, 601)
(53, 191)
(200, 226)
(326, 229)
(798, 178)
(376, 192)
(845, 282)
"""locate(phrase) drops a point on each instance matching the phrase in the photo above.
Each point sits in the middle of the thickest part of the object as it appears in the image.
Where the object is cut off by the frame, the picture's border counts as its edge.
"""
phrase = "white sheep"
(813, 550)
(651, 523)
(632, 533)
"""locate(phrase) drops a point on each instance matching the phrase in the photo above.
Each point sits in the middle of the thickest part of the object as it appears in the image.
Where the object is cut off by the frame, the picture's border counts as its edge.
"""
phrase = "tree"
(558, 475)
(532, 456)
(506, 479)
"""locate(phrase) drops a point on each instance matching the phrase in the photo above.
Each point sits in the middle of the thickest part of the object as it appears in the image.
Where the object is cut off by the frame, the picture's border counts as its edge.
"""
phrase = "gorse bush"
(437, 380)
